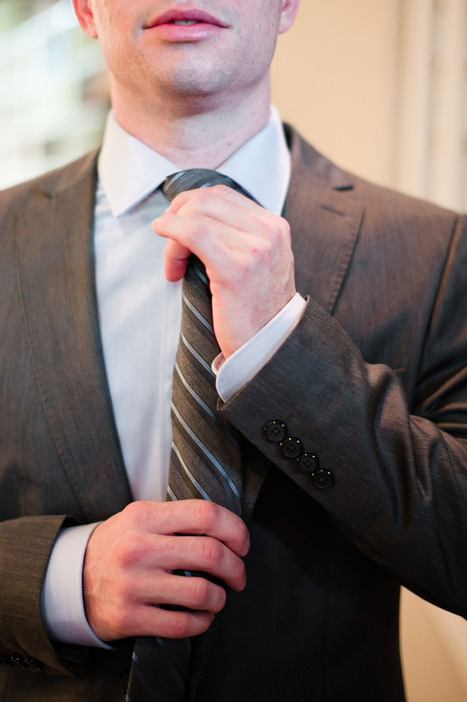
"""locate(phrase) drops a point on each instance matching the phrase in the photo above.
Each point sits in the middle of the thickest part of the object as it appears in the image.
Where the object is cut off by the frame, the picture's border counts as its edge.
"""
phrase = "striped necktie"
(205, 460)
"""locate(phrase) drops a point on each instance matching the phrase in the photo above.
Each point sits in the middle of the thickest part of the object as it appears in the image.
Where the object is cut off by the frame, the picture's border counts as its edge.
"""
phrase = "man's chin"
(190, 82)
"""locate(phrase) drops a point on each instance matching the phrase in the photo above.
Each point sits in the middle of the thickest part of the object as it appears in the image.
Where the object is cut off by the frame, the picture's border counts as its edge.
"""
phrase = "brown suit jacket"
(373, 381)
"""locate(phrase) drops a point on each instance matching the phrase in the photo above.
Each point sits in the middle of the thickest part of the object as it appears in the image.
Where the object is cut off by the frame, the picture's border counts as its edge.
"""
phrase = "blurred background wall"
(380, 86)
(53, 88)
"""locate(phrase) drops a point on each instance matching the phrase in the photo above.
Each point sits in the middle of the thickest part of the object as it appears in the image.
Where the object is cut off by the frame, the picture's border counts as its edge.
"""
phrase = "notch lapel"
(325, 222)
(56, 279)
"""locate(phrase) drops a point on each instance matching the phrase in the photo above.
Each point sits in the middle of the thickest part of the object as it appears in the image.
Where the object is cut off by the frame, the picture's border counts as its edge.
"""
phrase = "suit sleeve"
(25, 546)
(393, 474)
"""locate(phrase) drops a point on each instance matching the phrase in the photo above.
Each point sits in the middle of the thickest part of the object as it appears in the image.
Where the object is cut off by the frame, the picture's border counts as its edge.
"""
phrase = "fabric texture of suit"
(373, 381)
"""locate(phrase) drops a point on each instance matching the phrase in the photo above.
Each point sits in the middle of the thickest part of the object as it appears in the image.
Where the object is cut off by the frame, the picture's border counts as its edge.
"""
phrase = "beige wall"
(336, 78)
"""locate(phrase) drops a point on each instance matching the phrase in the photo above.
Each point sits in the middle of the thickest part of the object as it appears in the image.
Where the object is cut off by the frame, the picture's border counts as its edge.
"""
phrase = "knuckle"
(203, 195)
(221, 189)
(278, 231)
(207, 515)
(179, 200)
(180, 625)
(275, 238)
(131, 511)
(283, 231)
(285, 228)
(196, 230)
(278, 236)
(129, 552)
(211, 552)
(267, 249)
(137, 512)
(200, 592)
(123, 554)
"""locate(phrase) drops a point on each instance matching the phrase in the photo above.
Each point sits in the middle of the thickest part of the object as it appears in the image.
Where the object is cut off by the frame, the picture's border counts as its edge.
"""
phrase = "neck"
(194, 132)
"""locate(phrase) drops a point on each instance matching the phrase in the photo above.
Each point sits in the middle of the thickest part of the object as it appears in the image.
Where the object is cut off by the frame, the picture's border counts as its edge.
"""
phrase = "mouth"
(186, 18)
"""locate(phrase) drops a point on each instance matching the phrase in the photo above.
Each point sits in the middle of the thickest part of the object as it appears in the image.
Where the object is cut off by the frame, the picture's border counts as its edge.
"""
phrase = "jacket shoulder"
(397, 208)
(16, 198)
(381, 203)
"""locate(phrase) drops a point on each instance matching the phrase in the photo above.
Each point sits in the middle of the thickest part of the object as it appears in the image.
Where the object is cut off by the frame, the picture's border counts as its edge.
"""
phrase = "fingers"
(172, 625)
(194, 517)
(221, 204)
(205, 198)
(195, 216)
(198, 553)
(247, 254)
(200, 599)
(215, 223)
(149, 620)
(127, 571)
(194, 592)
(175, 260)
(192, 236)
(227, 252)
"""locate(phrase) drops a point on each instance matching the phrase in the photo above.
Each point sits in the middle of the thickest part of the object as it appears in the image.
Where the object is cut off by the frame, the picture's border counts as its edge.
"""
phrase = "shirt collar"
(129, 170)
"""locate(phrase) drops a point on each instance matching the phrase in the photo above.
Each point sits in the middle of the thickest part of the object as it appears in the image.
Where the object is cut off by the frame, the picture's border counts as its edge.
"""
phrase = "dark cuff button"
(291, 447)
(307, 463)
(26, 663)
(322, 478)
(33, 664)
(275, 431)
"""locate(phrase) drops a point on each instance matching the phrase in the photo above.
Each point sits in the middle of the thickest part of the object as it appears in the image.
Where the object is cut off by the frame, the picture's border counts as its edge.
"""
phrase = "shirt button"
(275, 431)
(308, 463)
(322, 478)
(291, 447)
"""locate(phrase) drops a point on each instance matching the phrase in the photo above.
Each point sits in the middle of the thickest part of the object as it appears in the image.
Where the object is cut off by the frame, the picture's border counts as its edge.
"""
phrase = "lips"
(186, 18)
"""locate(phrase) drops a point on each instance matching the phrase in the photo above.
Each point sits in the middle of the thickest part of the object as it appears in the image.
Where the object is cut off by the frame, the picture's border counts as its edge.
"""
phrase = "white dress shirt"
(140, 316)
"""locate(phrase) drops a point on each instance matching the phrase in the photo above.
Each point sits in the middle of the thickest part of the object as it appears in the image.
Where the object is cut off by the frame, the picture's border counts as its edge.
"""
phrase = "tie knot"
(194, 178)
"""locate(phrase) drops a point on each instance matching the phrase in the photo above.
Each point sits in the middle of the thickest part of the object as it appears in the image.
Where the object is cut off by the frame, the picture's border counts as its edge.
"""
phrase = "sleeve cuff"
(247, 361)
(62, 595)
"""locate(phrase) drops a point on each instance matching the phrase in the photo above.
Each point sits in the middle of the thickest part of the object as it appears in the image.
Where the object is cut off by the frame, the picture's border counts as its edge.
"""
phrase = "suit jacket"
(373, 382)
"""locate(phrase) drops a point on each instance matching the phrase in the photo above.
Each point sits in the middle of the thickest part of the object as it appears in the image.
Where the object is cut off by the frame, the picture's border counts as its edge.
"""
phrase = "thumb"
(175, 258)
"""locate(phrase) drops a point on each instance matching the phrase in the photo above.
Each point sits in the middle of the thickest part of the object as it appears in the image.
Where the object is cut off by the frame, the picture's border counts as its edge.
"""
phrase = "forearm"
(398, 488)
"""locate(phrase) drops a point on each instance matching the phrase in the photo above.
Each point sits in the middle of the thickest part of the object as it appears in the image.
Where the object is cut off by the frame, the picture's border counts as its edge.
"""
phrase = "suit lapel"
(324, 221)
(56, 277)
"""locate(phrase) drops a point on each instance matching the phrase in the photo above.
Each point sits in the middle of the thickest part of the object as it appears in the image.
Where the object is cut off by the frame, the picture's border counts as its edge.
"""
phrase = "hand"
(127, 572)
(247, 254)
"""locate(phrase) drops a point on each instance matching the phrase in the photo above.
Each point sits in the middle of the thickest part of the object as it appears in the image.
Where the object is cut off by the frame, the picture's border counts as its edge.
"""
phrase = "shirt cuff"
(62, 595)
(247, 361)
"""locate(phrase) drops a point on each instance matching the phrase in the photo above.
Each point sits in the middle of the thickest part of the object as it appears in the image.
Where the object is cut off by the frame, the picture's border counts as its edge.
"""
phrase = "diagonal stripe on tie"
(224, 427)
(205, 460)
